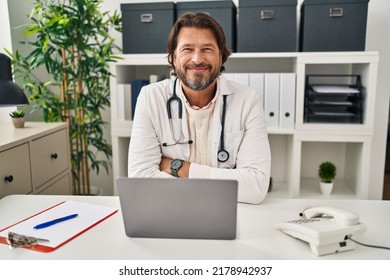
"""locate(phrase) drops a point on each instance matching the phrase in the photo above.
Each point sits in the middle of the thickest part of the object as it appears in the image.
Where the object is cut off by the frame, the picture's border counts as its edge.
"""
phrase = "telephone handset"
(326, 229)
(340, 216)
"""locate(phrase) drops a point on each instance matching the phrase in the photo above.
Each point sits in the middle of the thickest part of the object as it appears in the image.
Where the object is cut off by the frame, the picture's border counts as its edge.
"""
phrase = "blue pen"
(56, 221)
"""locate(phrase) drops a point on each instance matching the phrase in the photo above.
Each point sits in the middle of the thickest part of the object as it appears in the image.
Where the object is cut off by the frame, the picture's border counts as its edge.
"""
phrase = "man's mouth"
(198, 67)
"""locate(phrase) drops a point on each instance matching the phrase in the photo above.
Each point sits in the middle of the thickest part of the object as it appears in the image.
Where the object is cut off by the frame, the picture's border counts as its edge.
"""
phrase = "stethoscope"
(222, 154)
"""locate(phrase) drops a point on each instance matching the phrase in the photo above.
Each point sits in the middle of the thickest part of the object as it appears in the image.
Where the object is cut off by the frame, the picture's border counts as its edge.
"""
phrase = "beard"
(198, 81)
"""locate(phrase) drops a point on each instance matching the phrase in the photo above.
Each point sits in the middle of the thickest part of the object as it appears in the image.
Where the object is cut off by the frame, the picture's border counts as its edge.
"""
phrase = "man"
(198, 124)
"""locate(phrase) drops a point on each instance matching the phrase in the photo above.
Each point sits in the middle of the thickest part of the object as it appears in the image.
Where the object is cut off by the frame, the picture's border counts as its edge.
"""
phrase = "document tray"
(333, 102)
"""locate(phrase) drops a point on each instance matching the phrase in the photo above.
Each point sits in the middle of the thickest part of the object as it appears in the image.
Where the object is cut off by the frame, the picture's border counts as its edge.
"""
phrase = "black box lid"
(266, 3)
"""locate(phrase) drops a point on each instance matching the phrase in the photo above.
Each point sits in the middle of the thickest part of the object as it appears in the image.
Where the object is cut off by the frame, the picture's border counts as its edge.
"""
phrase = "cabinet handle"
(9, 178)
(54, 155)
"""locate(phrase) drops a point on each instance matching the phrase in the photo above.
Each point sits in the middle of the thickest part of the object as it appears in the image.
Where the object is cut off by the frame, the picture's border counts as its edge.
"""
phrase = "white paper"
(89, 214)
(334, 89)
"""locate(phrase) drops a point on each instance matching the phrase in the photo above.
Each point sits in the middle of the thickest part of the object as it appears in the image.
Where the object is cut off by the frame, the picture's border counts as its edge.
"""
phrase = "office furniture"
(296, 153)
(257, 237)
(34, 159)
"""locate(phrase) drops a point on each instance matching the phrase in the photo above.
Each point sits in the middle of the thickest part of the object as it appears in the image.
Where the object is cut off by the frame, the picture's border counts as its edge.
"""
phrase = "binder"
(136, 86)
(256, 81)
(287, 101)
(242, 78)
(271, 100)
(89, 215)
(229, 76)
(123, 100)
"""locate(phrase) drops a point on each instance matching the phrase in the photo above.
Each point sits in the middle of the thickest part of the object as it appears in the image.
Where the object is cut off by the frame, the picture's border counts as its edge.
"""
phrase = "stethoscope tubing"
(222, 154)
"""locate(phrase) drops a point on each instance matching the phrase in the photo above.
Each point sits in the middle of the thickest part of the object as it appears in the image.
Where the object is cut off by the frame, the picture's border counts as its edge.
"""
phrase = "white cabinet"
(297, 153)
(34, 159)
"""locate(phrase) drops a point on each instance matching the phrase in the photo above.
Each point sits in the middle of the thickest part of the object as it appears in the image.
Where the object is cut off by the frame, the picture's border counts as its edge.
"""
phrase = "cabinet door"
(15, 173)
(60, 187)
(49, 157)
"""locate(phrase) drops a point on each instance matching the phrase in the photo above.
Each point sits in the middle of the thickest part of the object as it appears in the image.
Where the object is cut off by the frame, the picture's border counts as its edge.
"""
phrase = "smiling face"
(197, 58)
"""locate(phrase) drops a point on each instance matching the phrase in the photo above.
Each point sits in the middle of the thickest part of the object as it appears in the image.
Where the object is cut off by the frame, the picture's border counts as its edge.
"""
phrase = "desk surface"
(257, 237)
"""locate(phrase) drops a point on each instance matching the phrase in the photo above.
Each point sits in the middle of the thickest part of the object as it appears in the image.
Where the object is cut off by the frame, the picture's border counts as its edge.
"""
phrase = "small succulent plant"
(17, 114)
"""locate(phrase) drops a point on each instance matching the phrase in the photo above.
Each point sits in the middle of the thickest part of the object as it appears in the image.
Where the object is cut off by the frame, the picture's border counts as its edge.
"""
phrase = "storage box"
(333, 25)
(267, 26)
(224, 12)
(146, 27)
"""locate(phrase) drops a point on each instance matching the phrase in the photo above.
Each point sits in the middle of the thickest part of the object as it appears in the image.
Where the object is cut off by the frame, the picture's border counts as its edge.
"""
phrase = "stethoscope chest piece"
(222, 155)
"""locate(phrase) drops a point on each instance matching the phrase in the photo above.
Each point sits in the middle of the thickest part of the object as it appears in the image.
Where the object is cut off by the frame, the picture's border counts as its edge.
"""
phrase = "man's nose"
(197, 56)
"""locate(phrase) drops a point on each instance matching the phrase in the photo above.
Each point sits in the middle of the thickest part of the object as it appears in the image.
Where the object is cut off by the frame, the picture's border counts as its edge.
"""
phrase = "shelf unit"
(295, 154)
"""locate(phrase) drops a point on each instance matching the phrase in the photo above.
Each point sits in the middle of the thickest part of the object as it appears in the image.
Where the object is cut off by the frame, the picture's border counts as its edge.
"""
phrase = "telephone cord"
(368, 245)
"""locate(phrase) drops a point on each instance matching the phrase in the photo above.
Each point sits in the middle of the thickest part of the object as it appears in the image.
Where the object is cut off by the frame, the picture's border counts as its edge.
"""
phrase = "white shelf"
(291, 164)
(310, 188)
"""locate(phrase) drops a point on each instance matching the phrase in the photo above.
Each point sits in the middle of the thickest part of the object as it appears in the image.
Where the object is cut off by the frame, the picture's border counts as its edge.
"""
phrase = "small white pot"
(326, 188)
(96, 191)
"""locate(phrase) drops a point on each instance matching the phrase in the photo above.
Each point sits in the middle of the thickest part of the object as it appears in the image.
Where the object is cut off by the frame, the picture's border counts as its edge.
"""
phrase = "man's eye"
(208, 50)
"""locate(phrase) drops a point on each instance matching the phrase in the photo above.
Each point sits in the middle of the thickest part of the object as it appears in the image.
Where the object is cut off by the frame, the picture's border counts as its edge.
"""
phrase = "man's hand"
(165, 165)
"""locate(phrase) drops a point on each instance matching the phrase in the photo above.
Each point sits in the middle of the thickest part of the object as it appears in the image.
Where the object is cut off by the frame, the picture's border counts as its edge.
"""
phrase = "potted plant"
(72, 43)
(17, 118)
(327, 173)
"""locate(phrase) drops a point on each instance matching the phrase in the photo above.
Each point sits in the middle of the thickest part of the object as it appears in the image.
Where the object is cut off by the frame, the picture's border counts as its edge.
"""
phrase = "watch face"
(176, 164)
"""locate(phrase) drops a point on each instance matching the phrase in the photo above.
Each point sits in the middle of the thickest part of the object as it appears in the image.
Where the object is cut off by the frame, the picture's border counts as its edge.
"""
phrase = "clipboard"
(89, 215)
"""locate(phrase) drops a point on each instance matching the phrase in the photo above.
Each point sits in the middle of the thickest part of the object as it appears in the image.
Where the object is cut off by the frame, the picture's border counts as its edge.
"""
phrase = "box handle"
(146, 17)
(335, 12)
(267, 14)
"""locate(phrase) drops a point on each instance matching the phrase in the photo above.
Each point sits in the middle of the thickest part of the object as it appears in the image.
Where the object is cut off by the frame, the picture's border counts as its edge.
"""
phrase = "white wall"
(378, 39)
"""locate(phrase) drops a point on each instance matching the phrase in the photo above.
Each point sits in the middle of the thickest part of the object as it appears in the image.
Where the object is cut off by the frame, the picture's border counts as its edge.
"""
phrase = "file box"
(225, 12)
(267, 26)
(333, 25)
(146, 27)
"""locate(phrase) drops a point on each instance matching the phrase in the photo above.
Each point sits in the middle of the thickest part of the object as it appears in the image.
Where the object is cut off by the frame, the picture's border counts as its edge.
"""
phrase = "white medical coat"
(245, 137)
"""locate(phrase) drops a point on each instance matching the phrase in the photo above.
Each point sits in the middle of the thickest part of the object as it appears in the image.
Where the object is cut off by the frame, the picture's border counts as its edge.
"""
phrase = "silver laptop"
(178, 208)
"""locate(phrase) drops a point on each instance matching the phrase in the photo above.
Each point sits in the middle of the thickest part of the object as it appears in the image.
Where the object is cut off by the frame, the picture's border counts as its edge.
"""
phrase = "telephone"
(326, 229)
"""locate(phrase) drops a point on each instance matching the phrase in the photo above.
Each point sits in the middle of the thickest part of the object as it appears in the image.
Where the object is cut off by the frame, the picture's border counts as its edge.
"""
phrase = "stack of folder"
(278, 96)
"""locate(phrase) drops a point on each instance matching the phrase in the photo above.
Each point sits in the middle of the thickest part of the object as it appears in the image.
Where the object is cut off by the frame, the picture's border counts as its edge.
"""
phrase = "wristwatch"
(175, 166)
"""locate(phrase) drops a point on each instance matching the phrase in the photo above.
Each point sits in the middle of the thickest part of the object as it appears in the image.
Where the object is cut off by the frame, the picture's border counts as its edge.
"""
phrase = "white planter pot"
(326, 188)
(96, 191)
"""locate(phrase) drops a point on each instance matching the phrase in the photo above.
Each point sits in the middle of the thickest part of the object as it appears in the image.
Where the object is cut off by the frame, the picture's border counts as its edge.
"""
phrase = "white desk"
(257, 237)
